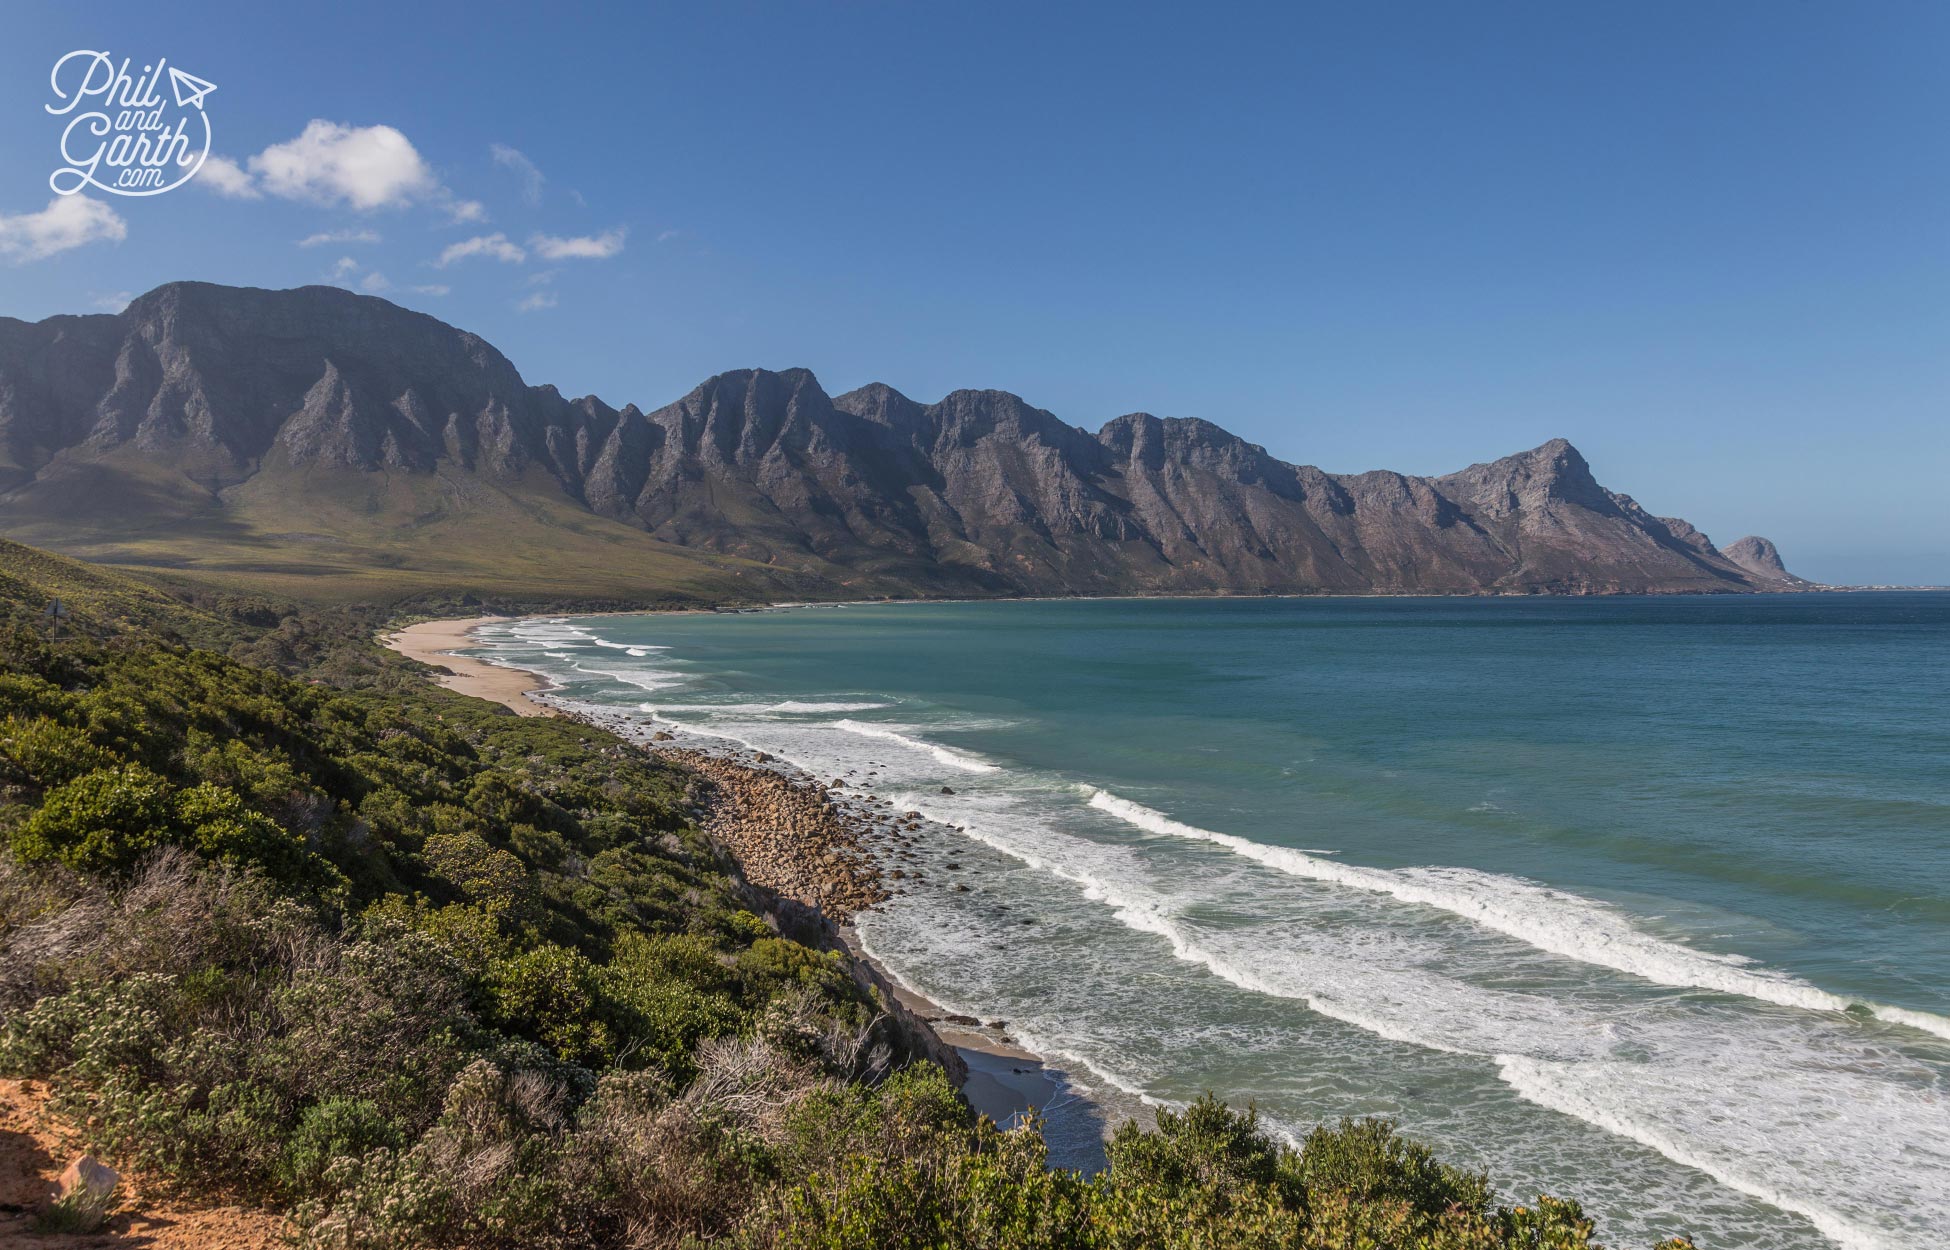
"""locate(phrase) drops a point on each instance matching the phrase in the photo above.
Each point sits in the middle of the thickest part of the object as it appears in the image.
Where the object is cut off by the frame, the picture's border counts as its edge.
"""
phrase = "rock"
(1761, 558)
(947, 789)
(89, 1181)
(663, 735)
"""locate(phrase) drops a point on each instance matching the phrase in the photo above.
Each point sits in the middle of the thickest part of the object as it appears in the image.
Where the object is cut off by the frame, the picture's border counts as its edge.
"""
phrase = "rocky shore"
(786, 833)
(814, 855)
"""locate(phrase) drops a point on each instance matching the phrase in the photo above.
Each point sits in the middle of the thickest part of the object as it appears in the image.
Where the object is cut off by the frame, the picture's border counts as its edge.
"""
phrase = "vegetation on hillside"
(282, 923)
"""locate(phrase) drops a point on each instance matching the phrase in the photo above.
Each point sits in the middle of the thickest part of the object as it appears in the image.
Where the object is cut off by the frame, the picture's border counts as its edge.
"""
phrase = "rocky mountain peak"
(1552, 473)
(224, 395)
(1760, 557)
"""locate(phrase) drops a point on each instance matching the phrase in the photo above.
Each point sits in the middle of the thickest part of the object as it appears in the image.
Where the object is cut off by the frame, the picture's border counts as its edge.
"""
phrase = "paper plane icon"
(189, 89)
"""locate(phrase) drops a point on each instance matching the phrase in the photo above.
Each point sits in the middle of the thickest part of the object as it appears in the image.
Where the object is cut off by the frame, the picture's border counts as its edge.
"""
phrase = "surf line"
(1554, 921)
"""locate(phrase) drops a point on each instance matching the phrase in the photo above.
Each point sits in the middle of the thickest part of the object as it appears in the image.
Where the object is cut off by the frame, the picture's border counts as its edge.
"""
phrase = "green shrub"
(102, 821)
(38, 751)
(337, 1128)
(555, 995)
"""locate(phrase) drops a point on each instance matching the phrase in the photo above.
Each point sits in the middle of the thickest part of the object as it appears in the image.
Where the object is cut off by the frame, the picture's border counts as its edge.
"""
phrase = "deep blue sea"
(1640, 901)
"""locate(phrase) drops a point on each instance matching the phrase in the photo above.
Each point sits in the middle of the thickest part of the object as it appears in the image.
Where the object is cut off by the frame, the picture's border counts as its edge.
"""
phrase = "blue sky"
(1707, 242)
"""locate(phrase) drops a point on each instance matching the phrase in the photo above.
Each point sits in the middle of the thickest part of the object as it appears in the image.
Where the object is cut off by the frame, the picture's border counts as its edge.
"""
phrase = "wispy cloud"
(431, 288)
(579, 247)
(344, 267)
(525, 169)
(539, 300)
(374, 282)
(465, 212)
(114, 301)
(495, 246)
(325, 237)
(68, 221)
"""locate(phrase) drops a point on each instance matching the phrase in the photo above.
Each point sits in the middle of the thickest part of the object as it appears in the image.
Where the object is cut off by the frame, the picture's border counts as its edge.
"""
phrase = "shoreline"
(790, 838)
(432, 643)
(793, 838)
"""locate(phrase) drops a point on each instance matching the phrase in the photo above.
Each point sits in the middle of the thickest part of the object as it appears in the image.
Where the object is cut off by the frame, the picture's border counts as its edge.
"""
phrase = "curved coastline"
(1628, 955)
(433, 643)
(997, 1076)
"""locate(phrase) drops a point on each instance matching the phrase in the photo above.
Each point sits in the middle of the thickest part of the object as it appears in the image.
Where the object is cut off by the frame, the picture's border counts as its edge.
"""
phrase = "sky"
(1709, 243)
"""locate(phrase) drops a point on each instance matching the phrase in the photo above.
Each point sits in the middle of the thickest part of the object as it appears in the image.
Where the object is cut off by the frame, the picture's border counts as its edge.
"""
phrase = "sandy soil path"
(33, 1151)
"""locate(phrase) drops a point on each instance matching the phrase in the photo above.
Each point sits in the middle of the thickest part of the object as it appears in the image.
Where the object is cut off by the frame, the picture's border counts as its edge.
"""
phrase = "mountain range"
(316, 437)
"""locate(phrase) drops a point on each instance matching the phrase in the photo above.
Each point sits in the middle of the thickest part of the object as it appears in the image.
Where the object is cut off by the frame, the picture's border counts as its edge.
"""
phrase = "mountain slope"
(264, 436)
(1762, 559)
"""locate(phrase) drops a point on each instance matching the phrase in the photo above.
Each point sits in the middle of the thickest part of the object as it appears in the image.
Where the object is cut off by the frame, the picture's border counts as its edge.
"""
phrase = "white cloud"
(462, 212)
(539, 300)
(114, 301)
(494, 245)
(339, 236)
(374, 282)
(68, 221)
(227, 178)
(366, 167)
(543, 278)
(344, 266)
(432, 288)
(578, 247)
(666, 236)
(525, 169)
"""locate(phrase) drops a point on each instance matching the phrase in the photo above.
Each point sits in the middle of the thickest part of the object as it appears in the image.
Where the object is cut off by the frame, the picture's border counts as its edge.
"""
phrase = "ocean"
(1643, 901)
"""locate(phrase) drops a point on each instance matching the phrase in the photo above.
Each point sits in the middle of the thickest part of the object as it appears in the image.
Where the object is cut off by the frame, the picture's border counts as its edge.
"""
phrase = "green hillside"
(92, 599)
(311, 933)
(331, 536)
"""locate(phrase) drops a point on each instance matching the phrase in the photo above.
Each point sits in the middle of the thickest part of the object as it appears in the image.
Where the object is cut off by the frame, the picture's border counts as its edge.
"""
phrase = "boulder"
(87, 1179)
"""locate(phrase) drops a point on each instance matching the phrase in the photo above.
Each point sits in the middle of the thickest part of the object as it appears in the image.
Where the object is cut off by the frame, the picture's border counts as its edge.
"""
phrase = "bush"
(37, 751)
(102, 821)
(555, 995)
(338, 1128)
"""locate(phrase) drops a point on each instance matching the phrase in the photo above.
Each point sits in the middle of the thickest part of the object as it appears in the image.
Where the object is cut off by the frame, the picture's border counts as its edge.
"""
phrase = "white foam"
(1047, 1048)
(1551, 920)
(1145, 912)
(638, 649)
(1923, 1020)
(953, 759)
(1799, 1112)
(1868, 1149)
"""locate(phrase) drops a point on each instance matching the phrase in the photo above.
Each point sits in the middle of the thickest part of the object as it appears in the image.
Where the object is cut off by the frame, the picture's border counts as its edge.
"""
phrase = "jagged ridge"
(222, 390)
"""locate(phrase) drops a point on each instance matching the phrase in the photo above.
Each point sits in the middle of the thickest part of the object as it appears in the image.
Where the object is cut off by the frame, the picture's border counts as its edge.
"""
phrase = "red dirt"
(33, 1151)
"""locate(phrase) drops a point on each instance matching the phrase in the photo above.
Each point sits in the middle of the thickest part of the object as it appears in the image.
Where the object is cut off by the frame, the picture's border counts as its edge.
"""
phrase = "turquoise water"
(1645, 901)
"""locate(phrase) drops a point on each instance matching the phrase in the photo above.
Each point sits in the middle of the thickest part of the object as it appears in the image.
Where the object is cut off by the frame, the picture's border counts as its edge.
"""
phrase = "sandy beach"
(431, 642)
